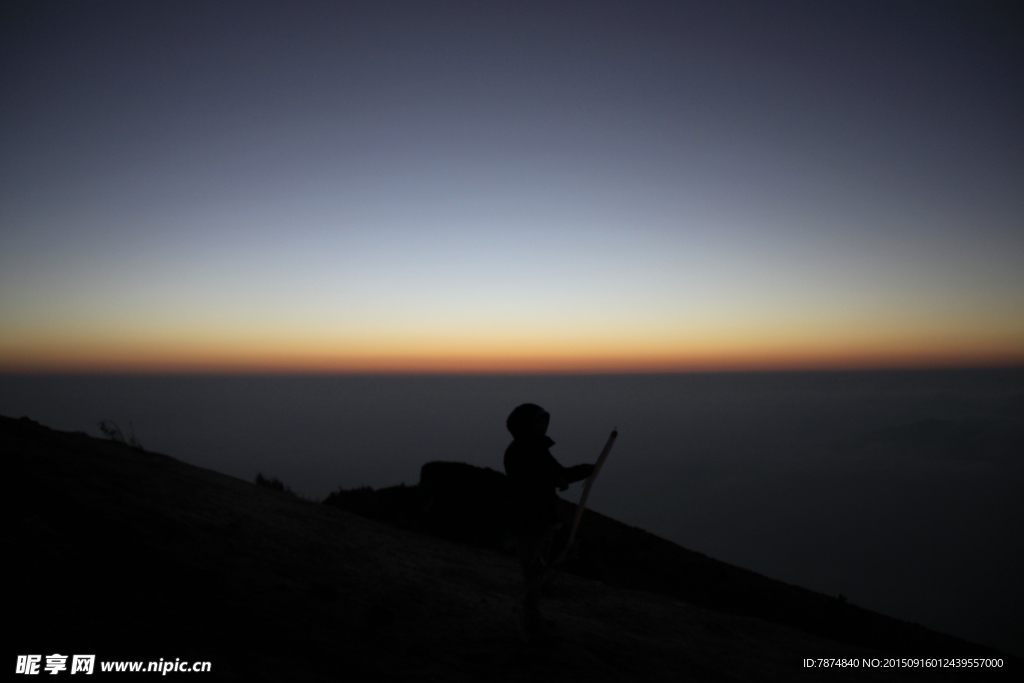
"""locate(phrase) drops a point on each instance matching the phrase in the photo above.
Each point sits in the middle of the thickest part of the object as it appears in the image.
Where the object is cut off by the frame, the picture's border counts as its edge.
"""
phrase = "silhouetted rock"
(453, 500)
(464, 503)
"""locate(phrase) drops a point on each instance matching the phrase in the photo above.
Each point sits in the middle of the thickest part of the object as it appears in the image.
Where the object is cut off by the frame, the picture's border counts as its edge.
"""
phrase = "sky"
(521, 186)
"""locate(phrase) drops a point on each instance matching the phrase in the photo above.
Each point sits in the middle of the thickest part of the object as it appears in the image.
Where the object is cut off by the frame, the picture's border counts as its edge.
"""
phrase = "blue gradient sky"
(510, 186)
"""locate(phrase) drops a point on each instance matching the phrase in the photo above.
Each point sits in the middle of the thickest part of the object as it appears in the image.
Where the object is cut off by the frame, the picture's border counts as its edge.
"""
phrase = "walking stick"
(582, 505)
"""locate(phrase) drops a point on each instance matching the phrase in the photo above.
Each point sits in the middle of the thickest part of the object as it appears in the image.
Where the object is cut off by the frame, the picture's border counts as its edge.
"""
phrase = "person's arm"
(568, 475)
(580, 472)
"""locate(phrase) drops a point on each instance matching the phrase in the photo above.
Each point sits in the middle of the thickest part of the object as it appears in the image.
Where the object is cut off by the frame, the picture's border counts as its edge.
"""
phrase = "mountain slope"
(133, 555)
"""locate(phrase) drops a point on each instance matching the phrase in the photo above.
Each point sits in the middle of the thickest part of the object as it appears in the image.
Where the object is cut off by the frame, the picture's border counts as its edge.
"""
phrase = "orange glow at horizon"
(127, 357)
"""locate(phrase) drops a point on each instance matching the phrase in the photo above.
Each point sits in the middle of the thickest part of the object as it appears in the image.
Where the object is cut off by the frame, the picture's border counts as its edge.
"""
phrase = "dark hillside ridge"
(133, 555)
(464, 503)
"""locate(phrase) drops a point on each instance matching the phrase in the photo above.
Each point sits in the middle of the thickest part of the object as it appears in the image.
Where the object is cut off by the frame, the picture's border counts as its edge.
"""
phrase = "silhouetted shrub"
(361, 501)
(114, 433)
(273, 483)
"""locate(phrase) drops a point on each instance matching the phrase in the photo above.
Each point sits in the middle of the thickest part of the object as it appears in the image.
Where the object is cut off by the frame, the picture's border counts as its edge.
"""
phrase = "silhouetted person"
(533, 475)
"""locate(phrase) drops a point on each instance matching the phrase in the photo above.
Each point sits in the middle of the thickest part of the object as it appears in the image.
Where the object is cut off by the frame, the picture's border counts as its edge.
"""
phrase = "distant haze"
(524, 186)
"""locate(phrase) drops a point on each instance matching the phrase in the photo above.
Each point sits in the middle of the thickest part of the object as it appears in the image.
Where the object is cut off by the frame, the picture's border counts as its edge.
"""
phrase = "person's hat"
(527, 419)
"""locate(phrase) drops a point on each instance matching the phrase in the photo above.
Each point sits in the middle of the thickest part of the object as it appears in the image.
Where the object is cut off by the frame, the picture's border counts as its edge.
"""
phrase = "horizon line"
(266, 371)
